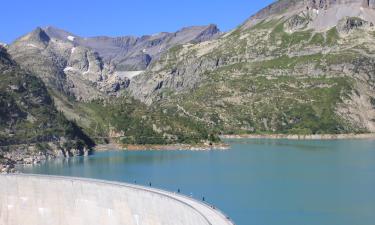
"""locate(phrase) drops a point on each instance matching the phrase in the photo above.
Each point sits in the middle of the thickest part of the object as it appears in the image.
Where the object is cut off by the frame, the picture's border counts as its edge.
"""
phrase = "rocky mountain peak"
(38, 35)
(58, 33)
(320, 14)
(210, 31)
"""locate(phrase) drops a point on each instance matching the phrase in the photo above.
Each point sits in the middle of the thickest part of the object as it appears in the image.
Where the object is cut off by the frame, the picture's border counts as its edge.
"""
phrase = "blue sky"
(126, 17)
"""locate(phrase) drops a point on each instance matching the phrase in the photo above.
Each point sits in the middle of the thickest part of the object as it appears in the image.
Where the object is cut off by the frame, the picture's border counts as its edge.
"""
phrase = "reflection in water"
(297, 144)
(263, 182)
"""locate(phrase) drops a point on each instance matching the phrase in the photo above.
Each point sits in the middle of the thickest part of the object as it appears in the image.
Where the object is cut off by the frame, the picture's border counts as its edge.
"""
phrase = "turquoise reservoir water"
(260, 182)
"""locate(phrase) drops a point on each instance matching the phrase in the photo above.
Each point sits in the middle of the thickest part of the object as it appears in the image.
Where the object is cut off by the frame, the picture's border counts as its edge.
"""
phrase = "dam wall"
(46, 200)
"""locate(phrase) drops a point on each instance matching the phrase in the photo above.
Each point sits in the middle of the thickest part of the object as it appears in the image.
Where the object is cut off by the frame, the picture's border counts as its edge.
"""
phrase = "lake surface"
(260, 182)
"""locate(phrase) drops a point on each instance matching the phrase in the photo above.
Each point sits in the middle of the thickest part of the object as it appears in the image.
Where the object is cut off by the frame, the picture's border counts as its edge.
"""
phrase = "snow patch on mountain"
(128, 74)
(71, 38)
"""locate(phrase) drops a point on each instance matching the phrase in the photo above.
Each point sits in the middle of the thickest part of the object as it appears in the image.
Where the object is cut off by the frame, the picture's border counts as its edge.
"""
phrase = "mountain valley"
(296, 67)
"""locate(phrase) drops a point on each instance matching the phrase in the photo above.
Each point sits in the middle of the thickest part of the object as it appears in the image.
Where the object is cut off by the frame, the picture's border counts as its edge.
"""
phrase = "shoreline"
(106, 147)
(224, 146)
(171, 147)
(301, 137)
(8, 165)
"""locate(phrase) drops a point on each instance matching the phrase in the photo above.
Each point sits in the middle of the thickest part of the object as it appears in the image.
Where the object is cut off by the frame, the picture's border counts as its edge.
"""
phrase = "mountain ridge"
(92, 68)
(122, 49)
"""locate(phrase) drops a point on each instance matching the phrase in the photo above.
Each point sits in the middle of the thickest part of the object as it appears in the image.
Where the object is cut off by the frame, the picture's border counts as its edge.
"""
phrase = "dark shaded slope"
(30, 125)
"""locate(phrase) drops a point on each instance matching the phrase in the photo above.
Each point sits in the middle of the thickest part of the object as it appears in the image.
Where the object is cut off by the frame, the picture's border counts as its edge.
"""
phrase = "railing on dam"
(38, 200)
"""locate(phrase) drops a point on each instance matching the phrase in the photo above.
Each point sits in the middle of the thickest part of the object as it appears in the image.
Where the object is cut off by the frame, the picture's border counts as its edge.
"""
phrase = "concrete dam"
(49, 200)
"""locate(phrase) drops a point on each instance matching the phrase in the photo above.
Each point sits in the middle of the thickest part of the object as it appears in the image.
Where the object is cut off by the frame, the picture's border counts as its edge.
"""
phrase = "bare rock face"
(276, 8)
(88, 63)
(320, 4)
(297, 22)
(325, 4)
(5, 60)
(75, 71)
(349, 24)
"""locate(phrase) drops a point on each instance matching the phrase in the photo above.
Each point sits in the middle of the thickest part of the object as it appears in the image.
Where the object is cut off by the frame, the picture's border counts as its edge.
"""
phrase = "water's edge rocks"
(31, 154)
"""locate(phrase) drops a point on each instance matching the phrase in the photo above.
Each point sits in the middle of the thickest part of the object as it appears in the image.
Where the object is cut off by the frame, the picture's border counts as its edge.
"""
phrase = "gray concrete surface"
(49, 200)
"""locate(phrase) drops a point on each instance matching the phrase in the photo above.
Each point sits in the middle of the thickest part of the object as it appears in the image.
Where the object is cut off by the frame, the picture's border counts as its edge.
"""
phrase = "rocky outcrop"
(325, 4)
(274, 9)
(6, 166)
(350, 24)
(181, 77)
(39, 36)
(297, 22)
(31, 154)
(34, 153)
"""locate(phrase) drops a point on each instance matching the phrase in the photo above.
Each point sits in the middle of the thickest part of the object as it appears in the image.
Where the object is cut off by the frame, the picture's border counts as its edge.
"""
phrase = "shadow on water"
(313, 145)
(108, 161)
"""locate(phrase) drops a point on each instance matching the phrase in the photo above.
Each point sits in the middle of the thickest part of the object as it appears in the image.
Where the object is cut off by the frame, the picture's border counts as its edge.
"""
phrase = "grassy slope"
(276, 94)
(133, 122)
